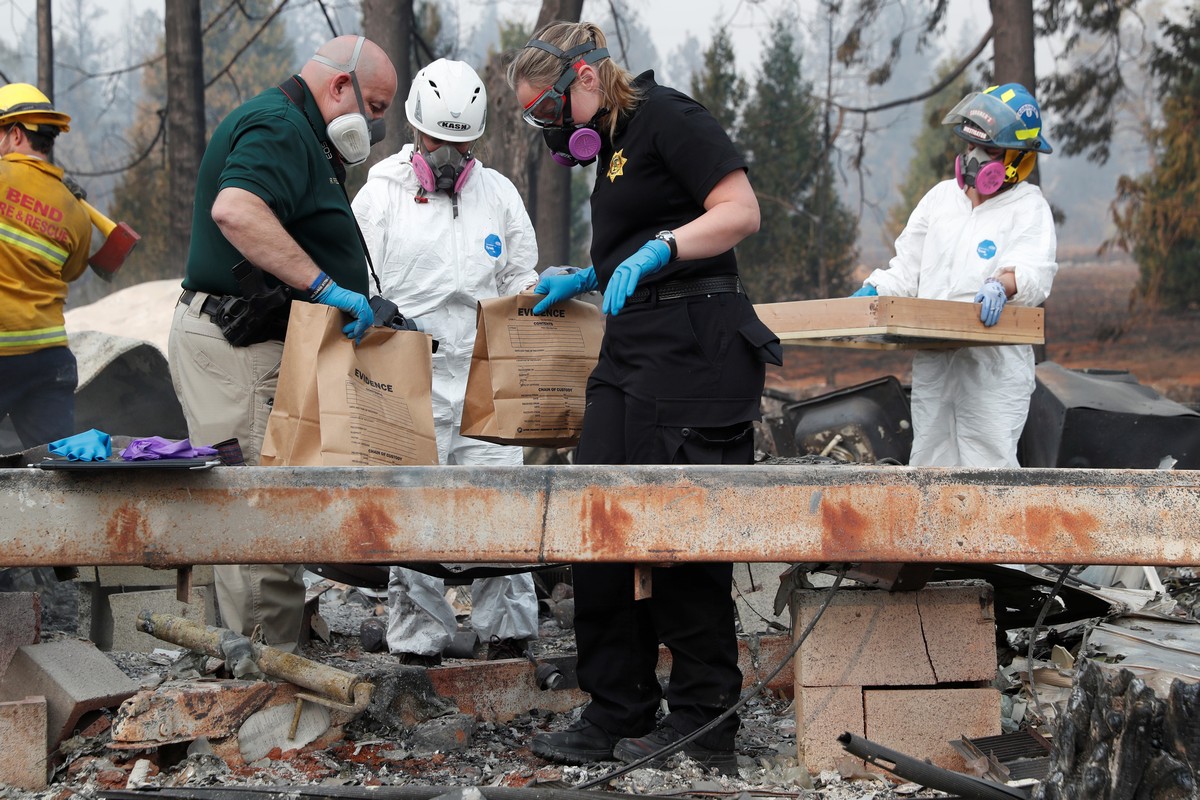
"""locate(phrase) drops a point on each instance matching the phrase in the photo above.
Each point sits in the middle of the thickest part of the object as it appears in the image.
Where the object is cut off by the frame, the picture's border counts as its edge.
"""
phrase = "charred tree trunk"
(45, 51)
(1012, 62)
(1118, 739)
(1012, 45)
(551, 201)
(511, 145)
(185, 118)
(516, 151)
(391, 27)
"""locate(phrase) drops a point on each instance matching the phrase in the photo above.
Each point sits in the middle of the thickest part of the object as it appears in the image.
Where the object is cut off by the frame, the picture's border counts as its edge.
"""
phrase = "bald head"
(327, 74)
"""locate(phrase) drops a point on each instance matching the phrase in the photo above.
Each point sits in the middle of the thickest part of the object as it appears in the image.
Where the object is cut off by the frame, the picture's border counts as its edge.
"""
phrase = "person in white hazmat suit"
(444, 232)
(986, 236)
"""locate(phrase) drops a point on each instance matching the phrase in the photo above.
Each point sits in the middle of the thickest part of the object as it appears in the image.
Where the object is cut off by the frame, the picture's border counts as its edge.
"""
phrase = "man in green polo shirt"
(271, 213)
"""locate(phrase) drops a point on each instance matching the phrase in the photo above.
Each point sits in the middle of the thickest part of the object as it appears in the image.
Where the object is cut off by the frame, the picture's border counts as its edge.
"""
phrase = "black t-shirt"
(667, 155)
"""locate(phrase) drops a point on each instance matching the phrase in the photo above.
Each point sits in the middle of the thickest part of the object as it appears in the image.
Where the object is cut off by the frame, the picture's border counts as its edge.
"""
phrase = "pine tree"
(933, 155)
(1158, 215)
(719, 87)
(804, 246)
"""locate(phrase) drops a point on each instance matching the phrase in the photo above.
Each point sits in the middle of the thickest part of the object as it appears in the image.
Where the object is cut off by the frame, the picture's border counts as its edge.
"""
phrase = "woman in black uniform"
(679, 378)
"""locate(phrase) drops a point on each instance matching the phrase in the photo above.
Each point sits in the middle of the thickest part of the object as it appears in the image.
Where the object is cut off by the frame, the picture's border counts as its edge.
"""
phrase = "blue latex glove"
(649, 259)
(993, 297)
(90, 445)
(867, 290)
(563, 286)
(325, 291)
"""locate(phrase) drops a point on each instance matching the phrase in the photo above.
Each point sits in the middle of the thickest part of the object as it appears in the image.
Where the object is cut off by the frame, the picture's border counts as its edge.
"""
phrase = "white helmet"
(448, 101)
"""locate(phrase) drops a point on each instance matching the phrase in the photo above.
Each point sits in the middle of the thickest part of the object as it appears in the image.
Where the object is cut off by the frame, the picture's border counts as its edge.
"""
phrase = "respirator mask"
(570, 144)
(354, 133)
(978, 169)
(443, 169)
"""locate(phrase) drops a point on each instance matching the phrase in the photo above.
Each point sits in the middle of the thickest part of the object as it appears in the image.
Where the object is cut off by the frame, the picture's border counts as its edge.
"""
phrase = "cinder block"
(873, 638)
(959, 622)
(126, 606)
(865, 638)
(23, 743)
(824, 713)
(20, 623)
(73, 676)
(922, 722)
(146, 578)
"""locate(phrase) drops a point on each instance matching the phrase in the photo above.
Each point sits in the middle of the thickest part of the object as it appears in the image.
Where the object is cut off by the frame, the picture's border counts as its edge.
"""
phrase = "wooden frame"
(898, 323)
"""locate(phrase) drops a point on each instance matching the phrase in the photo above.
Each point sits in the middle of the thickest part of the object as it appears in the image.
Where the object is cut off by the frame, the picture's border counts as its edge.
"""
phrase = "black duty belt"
(211, 303)
(673, 290)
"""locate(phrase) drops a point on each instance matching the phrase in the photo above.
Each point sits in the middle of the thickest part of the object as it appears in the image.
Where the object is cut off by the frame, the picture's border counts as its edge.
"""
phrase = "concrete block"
(125, 607)
(865, 638)
(959, 623)
(147, 578)
(824, 713)
(23, 743)
(754, 589)
(942, 633)
(20, 623)
(73, 676)
(922, 722)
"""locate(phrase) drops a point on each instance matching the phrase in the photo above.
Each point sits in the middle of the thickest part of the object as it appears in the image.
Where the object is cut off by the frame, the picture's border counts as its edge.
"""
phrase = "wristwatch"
(669, 238)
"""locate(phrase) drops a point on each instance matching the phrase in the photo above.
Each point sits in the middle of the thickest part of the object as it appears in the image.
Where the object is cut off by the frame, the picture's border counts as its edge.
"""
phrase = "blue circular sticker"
(492, 245)
(986, 249)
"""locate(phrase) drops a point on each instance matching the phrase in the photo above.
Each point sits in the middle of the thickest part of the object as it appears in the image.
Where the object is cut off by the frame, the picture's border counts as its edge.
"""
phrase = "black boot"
(630, 750)
(582, 743)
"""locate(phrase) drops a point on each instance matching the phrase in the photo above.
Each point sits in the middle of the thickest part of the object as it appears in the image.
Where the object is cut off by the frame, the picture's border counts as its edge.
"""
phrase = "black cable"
(754, 692)
(1062, 576)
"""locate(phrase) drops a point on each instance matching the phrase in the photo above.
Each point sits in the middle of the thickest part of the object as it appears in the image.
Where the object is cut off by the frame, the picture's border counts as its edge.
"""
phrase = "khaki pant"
(227, 392)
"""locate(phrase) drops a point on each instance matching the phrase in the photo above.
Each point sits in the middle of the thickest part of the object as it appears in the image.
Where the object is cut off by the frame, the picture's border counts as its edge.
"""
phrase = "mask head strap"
(348, 66)
(536, 113)
(376, 126)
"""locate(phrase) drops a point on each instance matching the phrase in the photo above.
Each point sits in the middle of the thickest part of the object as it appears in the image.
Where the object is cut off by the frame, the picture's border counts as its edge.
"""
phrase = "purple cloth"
(153, 447)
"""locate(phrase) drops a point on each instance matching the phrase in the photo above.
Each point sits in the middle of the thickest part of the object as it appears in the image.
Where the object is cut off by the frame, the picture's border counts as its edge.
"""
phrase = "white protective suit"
(435, 266)
(969, 405)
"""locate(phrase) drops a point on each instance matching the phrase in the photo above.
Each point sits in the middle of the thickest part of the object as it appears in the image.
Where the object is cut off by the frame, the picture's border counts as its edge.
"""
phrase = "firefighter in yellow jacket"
(45, 236)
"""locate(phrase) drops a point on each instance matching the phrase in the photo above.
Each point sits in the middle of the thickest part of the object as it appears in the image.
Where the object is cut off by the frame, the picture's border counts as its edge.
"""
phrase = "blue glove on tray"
(649, 259)
(325, 291)
(993, 297)
(867, 290)
(90, 445)
(563, 284)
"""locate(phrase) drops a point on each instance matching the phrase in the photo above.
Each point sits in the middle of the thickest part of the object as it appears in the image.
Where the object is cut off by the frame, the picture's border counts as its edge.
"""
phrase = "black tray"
(204, 462)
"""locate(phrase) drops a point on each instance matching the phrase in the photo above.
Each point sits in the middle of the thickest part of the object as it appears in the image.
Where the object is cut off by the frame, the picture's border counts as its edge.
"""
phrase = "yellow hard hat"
(24, 103)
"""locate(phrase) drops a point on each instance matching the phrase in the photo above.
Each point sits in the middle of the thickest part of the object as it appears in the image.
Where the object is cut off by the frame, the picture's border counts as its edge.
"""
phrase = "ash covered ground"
(494, 754)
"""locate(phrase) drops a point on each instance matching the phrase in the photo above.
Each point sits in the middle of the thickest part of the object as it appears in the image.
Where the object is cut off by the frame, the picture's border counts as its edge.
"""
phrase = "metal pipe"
(324, 680)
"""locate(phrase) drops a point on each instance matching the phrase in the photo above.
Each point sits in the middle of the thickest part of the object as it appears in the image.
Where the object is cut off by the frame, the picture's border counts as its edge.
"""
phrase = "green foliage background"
(1158, 214)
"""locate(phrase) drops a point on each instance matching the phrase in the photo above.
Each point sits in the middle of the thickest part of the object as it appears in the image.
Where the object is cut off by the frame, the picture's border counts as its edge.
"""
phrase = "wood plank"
(898, 323)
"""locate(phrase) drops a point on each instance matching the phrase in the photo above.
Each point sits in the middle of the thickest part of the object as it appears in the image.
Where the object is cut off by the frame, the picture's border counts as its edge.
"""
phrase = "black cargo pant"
(678, 382)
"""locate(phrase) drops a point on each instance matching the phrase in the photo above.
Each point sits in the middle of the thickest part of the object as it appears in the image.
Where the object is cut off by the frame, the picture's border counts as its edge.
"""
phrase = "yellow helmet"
(24, 103)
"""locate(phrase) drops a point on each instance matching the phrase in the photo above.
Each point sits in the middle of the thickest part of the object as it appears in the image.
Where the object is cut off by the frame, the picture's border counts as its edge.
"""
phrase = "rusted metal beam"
(575, 513)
